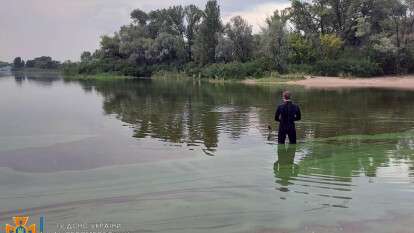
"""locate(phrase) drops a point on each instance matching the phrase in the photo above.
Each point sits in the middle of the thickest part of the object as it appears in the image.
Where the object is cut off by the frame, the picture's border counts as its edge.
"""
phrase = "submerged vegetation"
(322, 37)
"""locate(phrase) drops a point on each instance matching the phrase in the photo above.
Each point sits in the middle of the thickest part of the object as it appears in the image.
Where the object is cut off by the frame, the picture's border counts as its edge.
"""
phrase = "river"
(189, 156)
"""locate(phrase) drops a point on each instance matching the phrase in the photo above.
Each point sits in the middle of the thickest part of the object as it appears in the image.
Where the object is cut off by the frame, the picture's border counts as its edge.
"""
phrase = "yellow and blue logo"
(21, 226)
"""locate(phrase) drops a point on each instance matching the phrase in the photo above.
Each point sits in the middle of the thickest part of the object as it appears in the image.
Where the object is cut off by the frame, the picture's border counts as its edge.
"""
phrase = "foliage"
(300, 68)
(224, 50)
(43, 62)
(233, 70)
(301, 49)
(167, 48)
(208, 33)
(18, 63)
(239, 33)
(86, 56)
(139, 16)
(326, 37)
(274, 41)
(347, 67)
(193, 16)
(330, 45)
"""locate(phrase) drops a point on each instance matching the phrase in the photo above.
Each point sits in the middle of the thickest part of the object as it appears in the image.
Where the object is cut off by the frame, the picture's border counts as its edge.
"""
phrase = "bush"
(233, 70)
(347, 67)
(300, 68)
(118, 67)
(192, 69)
(70, 68)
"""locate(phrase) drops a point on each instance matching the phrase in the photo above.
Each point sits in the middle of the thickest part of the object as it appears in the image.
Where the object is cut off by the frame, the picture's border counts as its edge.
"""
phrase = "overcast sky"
(63, 29)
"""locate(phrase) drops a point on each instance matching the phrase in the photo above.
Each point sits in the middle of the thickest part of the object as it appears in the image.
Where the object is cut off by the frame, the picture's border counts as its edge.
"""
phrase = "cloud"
(257, 15)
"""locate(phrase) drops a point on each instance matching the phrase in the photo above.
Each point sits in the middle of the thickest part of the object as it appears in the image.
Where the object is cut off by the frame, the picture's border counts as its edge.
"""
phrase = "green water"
(169, 156)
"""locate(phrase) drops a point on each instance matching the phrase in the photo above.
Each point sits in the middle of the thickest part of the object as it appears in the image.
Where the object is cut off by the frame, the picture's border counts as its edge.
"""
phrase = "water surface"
(186, 156)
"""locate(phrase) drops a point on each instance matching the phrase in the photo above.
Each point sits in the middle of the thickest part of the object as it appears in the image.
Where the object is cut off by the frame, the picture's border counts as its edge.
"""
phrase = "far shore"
(321, 82)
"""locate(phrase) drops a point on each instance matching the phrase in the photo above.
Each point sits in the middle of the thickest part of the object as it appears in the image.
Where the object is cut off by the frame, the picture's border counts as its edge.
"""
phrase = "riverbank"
(321, 82)
(275, 79)
(272, 78)
(394, 82)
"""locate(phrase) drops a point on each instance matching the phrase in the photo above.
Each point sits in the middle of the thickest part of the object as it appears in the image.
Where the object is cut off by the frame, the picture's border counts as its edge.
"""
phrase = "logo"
(20, 225)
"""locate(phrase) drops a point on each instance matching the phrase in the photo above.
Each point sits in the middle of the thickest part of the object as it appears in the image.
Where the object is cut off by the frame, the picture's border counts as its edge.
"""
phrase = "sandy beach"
(393, 82)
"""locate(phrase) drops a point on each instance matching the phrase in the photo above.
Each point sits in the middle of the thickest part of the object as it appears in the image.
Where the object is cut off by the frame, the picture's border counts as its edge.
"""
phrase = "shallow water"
(178, 156)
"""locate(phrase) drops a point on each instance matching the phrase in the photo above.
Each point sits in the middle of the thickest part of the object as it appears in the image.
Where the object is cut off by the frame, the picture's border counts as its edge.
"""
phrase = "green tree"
(134, 42)
(240, 32)
(18, 63)
(224, 50)
(43, 62)
(274, 41)
(169, 21)
(307, 18)
(167, 48)
(301, 49)
(110, 46)
(158, 22)
(176, 16)
(193, 17)
(86, 56)
(330, 45)
(139, 16)
(207, 37)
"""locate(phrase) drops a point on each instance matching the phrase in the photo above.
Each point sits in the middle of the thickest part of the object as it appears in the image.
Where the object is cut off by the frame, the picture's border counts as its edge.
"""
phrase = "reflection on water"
(285, 167)
(139, 146)
(191, 113)
(45, 78)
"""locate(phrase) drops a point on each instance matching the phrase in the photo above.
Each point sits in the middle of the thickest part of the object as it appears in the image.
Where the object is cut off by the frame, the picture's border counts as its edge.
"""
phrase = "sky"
(63, 29)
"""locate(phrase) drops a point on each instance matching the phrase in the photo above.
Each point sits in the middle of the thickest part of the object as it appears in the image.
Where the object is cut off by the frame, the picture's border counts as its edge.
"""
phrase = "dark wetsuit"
(287, 113)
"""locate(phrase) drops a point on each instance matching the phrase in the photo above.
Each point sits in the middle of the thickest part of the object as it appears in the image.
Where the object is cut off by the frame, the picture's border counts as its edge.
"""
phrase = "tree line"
(43, 62)
(325, 37)
(3, 64)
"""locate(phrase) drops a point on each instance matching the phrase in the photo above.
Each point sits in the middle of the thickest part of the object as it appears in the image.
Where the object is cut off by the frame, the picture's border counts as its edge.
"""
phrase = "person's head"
(286, 95)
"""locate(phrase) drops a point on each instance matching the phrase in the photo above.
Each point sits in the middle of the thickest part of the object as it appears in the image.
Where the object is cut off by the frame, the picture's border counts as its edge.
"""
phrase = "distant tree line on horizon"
(3, 64)
(43, 62)
(325, 37)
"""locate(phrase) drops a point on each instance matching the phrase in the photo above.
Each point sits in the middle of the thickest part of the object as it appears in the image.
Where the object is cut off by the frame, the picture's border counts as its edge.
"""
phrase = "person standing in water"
(286, 114)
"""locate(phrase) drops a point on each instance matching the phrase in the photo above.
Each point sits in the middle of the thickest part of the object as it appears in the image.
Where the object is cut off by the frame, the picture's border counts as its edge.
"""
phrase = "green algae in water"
(188, 156)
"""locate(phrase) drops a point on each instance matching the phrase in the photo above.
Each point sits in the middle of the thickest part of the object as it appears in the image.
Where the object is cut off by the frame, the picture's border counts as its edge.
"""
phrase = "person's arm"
(277, 114)
(298, 115)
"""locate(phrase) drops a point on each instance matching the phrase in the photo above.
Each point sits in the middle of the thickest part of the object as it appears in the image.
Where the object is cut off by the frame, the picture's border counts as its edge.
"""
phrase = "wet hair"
(286, 95)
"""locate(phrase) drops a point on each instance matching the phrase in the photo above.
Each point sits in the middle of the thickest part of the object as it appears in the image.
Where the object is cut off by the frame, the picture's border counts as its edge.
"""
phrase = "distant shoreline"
(404, 82)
